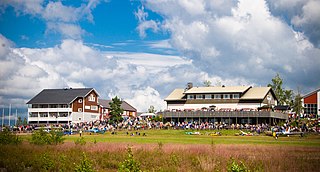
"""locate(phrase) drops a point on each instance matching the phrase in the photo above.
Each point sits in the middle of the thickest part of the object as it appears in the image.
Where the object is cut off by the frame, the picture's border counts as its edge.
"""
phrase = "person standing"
(80, 132)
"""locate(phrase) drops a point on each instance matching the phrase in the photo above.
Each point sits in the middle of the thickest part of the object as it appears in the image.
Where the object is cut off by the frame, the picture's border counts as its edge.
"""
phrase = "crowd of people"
(141, 123)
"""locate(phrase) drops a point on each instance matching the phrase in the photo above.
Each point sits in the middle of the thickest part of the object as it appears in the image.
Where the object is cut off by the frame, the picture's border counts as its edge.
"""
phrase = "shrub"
(233, 166)
(42, 137)
(56, 137)
(80, 141)
(46, 162)
(130, 164)
(85, 165)
(7, 137)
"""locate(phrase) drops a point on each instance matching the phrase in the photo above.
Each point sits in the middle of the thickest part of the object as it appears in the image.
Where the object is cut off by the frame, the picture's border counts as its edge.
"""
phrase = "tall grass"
(170, 157)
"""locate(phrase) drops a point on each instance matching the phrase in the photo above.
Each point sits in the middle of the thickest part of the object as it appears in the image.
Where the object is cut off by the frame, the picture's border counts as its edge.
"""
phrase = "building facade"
(231, 105)
(311, 103)
(64, 106)
(128, 110)
(238, 98)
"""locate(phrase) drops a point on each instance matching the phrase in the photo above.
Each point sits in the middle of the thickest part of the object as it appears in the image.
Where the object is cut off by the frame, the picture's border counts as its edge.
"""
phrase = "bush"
(85, 165)
(47, 162)
(7, 137)
(56, 137)
(80, 141)
(42, 137)
(233, 166)
(130, 164)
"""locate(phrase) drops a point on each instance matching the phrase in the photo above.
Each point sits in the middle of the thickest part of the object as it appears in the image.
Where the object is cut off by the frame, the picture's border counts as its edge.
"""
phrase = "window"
(190, 96)
(226, 96)
(91, 98)
(33, 114)
(217, 96)
(79, 109)
(53, 106)
(208, 96)
(310, 108)
(94, 107)
(53, 114)
(87, 107)
(80, 101)
(236, 96)
(63, 114)
(199, 96)
(43, 114)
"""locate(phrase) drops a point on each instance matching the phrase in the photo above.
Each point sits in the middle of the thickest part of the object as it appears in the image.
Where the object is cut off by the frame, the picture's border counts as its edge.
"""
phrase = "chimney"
(189, 85)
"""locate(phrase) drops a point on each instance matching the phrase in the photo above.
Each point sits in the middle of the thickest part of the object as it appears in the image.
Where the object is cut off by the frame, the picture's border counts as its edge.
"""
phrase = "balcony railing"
(49, 109)
(222, 114)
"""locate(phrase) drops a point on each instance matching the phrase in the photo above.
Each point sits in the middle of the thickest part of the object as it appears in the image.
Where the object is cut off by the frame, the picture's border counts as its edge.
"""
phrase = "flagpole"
(15, 122)
(9, 114)
(2, 116)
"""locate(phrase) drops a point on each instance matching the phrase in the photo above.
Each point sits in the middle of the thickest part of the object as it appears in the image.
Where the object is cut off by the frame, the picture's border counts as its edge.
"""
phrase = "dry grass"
(163, 157)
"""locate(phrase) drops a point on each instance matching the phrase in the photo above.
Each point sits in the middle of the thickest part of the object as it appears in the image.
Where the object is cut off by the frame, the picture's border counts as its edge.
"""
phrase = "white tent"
(147, 115)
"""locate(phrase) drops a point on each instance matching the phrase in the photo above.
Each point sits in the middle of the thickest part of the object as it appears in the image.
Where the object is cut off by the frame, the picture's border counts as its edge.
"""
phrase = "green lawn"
(179, 137)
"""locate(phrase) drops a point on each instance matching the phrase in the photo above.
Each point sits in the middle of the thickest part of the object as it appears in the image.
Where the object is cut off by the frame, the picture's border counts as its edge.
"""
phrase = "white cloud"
(67, 30)
(303, 15)
(33, 7)
(241, 40)
(56, 11)
(145, 24)
(145, 97)
(59, 18)
(136, 77)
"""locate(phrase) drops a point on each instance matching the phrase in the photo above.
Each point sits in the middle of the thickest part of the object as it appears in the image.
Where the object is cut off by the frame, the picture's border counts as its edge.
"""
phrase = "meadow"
(167, 150)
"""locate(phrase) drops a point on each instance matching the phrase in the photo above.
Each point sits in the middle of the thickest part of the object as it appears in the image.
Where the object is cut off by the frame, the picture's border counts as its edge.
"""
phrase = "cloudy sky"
(142, 50)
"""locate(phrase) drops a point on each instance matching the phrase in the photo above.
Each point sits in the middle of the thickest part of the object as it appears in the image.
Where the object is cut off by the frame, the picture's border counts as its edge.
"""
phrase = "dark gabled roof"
(59, 96)
(125, 106)
(282, 107)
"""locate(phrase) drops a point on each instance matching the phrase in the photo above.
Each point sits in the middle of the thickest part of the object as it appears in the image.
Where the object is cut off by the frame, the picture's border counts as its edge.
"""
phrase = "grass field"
(168, 150)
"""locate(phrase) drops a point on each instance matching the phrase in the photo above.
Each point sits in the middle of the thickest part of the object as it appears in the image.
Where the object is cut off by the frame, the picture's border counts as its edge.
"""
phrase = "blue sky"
(114, 22)
(142, 50)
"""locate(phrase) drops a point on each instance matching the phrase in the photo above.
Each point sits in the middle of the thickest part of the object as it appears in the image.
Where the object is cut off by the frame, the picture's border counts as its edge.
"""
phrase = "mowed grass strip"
(179, 137)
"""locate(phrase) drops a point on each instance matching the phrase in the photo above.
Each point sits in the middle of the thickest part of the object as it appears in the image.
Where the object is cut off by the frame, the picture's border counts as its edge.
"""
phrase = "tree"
(151, 109)
(19, 121)
(288, 97)
(276, 86)
(116, 110)
(207, 83)
(25, 121)
(297, 103)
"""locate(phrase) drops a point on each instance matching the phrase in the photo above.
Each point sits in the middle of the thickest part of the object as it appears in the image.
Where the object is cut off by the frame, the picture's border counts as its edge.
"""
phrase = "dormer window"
(235, 96)
(217, 96)
(91, 98)
(190, 96)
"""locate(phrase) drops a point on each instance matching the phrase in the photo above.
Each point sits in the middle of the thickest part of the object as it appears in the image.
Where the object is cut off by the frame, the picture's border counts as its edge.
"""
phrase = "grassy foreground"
(168, 150)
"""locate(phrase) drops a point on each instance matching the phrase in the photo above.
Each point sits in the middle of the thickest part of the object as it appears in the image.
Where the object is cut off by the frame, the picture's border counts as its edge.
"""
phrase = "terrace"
(253, 117)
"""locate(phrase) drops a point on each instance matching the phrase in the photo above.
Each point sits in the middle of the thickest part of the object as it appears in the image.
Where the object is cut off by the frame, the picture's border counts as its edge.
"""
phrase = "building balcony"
(224, 114)
(52, 119)
(49, 110)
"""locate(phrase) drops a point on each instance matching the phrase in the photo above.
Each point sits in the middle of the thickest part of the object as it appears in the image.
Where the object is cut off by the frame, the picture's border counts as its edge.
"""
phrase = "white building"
(64, 106)
(232, 98)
